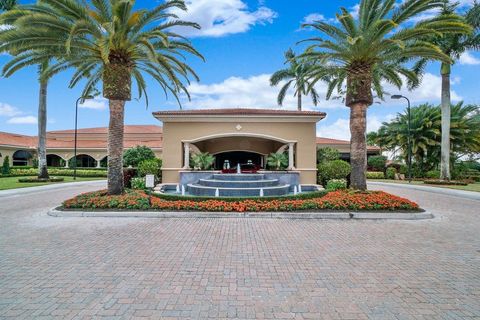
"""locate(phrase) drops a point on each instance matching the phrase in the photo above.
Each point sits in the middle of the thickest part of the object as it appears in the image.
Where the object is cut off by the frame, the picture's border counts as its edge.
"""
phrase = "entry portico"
(239, 135)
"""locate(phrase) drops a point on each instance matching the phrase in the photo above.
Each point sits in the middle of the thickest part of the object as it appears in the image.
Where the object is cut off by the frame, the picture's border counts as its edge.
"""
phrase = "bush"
(336, 169)
(151, 166)
(93, 173)
(327, 154)
(390, 173)
(128, 175)
(277, 161)
(432, 174)
(336, 184)
(300, 196)
(377, 163)
(202, 161)
(134, 156)
(33, 180)
(446, 182)
(403, 169)
(138, 183)
(375, 175)
(6, 166)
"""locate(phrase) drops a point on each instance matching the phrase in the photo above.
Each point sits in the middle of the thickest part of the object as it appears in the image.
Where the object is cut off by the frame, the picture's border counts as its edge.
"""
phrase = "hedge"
(14, 172)
(375, 175)
(34, 180)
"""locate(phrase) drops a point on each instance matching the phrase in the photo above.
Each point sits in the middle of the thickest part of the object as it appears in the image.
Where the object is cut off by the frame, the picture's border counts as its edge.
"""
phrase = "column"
(291, 165)
(66, 163)
(186, 155)
(98, 163)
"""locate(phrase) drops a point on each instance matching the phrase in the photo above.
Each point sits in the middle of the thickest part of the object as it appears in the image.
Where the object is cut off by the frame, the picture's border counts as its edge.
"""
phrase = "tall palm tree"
(107, 41)
(453, 45)
(296, 74)
(363, 53)
(7, 4)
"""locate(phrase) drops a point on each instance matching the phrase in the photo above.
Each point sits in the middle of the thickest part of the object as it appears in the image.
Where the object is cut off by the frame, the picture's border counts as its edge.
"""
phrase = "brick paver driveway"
(87, 268)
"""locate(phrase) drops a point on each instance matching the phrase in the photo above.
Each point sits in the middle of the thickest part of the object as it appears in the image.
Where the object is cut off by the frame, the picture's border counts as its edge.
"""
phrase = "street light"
(409, 146)
(75, 145)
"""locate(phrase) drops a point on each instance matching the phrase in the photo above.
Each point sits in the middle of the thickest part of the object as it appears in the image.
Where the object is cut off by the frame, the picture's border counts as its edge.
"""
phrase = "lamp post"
(75, 144)
(409, 144)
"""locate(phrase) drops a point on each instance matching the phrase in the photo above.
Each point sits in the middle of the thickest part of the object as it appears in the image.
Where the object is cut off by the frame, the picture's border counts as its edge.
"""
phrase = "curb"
(270, 215)
(27, 190)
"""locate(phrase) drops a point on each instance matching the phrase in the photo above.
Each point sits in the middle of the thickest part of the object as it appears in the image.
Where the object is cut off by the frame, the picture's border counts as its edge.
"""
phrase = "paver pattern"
(123, 268)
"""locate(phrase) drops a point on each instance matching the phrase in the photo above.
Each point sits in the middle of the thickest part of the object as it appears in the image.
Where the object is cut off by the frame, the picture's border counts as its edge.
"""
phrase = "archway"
(54, 160)
(83, 161)
(21, 158)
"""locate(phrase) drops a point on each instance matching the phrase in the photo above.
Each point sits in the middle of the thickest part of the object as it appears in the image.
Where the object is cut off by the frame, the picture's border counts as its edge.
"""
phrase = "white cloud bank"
(256, 92)
(468, 58)
(95, 104)
(7, 110)
(23, 120)
(222, 17)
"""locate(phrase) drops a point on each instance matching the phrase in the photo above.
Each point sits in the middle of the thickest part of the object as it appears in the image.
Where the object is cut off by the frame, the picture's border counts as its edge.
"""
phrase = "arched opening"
(104, 162)
(83, 161)
(21, 158)
(54, 160)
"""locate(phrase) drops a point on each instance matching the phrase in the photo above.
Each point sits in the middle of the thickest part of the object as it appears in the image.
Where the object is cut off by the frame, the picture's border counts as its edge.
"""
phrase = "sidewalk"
(22, 191)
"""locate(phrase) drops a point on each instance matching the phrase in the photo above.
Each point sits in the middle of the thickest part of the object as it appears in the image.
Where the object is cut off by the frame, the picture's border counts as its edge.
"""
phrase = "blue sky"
(241, 53)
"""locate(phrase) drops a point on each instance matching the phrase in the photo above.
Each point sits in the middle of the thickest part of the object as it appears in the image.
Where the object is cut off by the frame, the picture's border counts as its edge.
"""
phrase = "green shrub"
(33, 180)
(134, 156)
(390, 173)
(377, 162)
(151, 166)
(336, 169)
(327, 154)
(202, 161)
(128, 175)
(336, 184)
(403, 169)
(6, 166)
(433, 174)
(138, 183)
(60, 172)
(446, 182)
(375, 175)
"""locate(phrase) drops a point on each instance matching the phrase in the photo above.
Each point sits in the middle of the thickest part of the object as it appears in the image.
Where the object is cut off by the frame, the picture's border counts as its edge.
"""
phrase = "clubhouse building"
(233, 136)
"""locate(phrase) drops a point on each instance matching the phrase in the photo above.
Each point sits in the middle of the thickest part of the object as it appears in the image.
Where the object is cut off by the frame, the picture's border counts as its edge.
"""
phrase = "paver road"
(122, 268)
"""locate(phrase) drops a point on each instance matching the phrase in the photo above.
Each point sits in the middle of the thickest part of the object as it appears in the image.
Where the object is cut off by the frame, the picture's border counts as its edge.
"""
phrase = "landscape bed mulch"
(331, 201)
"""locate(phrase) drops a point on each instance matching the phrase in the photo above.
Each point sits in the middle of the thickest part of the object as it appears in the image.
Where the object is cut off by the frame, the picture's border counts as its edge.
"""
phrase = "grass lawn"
(470, 187)
(12, 182)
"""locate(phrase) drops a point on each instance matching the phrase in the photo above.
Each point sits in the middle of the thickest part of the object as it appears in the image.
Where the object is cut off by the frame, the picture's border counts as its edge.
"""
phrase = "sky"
(243, 42)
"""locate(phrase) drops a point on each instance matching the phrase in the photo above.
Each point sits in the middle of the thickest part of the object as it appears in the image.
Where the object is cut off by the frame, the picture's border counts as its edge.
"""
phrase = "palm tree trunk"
(445, 105)
(42, 131)
(299, 103)
(358, 145)
(115, 147)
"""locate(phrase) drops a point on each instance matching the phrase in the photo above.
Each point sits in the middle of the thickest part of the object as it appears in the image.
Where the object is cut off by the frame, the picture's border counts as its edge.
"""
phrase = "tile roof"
(239, 111)
(127, 129)
(330, 141)
(13, 139)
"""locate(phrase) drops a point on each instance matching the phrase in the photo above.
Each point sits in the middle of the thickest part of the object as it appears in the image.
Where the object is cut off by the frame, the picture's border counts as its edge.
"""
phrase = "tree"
(363, 52)
(6, 166)
(295, 74)
(202, 161)
(134, 156)
(7, 4)
(453, 45)
(327, 154)
(277, 161)
(107, 41)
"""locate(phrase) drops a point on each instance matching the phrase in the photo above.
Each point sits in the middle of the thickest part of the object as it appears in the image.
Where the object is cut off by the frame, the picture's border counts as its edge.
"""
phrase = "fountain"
(261, 192)
(299, 188)
(183, 190)
(177, 189)
(239, 170)
(295, 190)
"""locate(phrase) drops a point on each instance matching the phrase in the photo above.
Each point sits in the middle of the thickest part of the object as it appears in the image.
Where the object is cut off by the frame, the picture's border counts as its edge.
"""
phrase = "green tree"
(295, 74)
(374, 48)
(134, 156)
(453, 45)
(106, 41)
(277, 161)
(7, 4)
(202, 161)
(327, 154)
(6, 166)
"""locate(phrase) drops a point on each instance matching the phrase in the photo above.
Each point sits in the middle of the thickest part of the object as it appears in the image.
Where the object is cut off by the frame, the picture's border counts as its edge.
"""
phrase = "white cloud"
(340, 129)
(8, 110)
(23, 120)
(468, 58)
(313, 17)
(256, 92)
(96, 104)
(222, 17)
(354, 10)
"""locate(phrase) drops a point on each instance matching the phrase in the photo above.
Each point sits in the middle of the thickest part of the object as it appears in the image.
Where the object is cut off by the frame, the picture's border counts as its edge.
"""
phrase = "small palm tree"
(453, 45)
(362, 53)
(295, 74)
(202, 161)
(106, 41)
(277, 161)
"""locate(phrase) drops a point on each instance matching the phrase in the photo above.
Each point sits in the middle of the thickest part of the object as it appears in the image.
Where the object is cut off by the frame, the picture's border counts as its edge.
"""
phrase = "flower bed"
(337, 200)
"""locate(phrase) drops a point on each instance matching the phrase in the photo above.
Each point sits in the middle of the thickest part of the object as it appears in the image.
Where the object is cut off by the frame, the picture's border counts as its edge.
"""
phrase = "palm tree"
(296, 73)
(277, 161)
(6, 5)
(453, 45)
(107, 41)
(363, 53)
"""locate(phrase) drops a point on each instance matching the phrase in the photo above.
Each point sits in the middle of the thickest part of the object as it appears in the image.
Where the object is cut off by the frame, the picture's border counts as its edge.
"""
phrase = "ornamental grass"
(336, 200)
